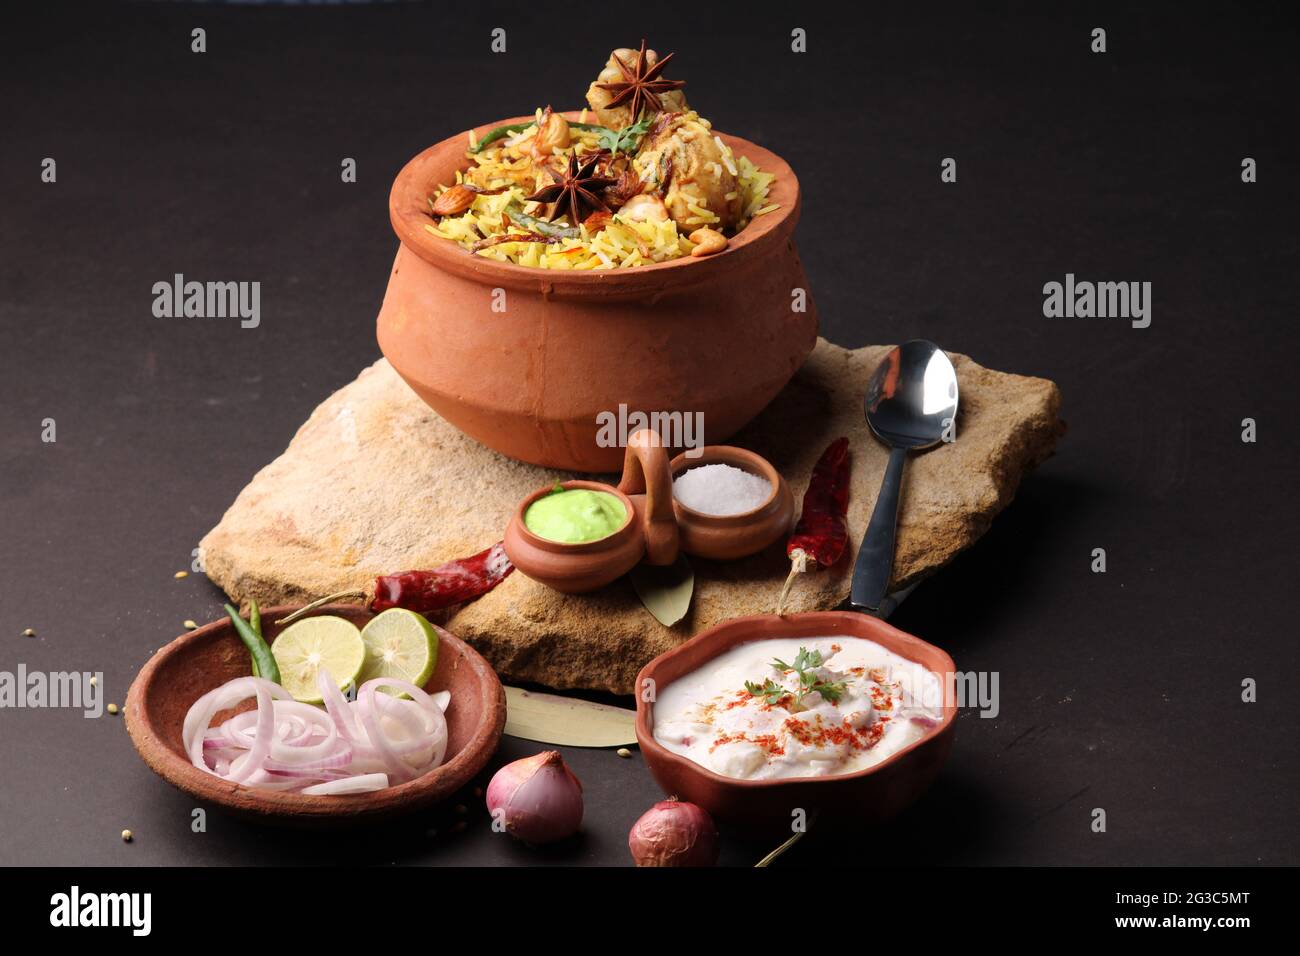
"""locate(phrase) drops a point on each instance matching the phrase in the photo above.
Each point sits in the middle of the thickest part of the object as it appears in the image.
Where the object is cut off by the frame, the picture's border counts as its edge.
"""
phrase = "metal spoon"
(911, 403)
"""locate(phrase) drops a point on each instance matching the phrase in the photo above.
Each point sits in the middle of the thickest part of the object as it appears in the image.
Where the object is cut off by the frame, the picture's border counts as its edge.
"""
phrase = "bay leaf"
(567, 721)
(665, 591)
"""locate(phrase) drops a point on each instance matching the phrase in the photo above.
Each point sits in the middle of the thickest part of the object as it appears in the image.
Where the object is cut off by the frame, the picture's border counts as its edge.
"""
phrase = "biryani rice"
(619, 242)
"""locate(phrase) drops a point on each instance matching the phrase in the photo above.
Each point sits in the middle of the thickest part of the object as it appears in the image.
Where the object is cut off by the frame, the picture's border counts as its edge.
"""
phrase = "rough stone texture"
(375, 482)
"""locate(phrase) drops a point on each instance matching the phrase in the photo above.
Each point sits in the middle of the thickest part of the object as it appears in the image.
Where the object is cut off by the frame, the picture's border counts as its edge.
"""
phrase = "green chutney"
(575, 515)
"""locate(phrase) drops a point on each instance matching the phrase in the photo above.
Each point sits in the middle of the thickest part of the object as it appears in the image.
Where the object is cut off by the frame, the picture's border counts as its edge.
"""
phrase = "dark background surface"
(1118, 690)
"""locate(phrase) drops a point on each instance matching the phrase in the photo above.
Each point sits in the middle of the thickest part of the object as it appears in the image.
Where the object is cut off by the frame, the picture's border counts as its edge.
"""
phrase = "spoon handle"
(876, 556)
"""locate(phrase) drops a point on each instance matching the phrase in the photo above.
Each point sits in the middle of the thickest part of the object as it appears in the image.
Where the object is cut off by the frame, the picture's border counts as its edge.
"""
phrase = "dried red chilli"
(822, 532)
(454, 582)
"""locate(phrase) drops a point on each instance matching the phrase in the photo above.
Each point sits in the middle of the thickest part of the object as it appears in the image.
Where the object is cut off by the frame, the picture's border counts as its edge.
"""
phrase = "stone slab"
(375, 482)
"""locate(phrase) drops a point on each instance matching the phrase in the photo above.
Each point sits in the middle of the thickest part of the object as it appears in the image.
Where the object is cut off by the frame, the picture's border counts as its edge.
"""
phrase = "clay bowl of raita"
(166, 688)
(723, 720)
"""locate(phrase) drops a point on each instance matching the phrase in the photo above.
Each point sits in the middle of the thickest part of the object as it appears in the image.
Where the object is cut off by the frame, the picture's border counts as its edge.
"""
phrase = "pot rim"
(721, 635)
(408, 213)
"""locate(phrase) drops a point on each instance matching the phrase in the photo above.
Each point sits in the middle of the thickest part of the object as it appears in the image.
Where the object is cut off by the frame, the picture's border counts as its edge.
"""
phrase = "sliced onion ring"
(365, 783)
(288, 745)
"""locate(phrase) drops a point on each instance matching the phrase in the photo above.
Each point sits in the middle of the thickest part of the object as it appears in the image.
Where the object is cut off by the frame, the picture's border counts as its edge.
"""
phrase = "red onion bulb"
(537, 799)
(673, 833)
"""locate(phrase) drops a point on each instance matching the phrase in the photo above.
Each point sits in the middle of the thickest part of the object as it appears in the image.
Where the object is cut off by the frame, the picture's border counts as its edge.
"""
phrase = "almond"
(454, 201)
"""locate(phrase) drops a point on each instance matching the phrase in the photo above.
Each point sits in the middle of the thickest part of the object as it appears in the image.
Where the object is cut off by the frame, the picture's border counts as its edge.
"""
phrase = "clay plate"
(195, 663)
(866, 797)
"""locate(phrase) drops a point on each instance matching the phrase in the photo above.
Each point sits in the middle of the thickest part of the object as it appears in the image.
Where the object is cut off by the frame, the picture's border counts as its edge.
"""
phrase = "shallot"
(537, 799)
(674, 833)
(349, 747)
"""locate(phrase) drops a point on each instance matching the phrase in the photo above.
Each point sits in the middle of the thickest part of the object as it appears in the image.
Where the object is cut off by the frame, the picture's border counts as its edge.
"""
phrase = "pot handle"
(646, 471)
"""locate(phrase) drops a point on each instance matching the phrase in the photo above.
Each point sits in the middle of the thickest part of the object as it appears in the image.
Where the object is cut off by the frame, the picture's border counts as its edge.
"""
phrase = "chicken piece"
(683, 160)
(674, 101)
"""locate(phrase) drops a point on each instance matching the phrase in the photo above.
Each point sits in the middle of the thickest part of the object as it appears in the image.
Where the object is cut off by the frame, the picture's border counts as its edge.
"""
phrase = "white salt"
(721, 490)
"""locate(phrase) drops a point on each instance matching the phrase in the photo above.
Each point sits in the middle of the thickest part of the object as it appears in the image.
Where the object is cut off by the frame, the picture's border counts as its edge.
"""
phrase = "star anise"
(574, 191)
(641, 84)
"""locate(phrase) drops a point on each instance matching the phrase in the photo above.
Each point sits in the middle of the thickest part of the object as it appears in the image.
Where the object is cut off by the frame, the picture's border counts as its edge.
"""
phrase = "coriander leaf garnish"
(623, 140)
(830, 690)
(805, 663)
(769, 690)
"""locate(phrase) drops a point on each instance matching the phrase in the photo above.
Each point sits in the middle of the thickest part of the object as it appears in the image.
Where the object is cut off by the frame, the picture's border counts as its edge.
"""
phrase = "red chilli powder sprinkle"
(839, 735)
(816, 734)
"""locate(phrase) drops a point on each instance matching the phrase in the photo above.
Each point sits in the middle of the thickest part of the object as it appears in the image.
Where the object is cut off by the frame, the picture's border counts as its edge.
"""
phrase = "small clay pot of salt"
(730, 503)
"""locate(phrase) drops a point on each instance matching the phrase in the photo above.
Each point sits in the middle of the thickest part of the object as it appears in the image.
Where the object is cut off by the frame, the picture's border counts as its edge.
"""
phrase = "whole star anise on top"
(574, 191)
(641, 84)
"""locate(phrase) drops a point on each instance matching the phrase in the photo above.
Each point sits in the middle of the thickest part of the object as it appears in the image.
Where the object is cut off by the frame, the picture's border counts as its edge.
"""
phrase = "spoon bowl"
(911, 400)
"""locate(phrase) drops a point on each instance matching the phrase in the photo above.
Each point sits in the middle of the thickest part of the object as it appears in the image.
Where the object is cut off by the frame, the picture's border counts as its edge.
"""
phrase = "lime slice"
(400, 644)
(306, 646)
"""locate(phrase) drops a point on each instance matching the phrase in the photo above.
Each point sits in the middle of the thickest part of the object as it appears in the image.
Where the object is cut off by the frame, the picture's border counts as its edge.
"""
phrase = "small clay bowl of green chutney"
(580, 535)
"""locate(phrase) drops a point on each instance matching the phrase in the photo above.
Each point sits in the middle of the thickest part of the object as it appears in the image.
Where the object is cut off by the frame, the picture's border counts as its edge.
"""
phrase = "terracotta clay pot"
(714, 335)
(863, 798)
(727, 537)
(650, 530)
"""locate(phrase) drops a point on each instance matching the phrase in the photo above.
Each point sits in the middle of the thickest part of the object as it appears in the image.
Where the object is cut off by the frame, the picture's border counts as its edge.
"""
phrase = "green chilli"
(263, 660)
(540, 226)
(501, 132)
